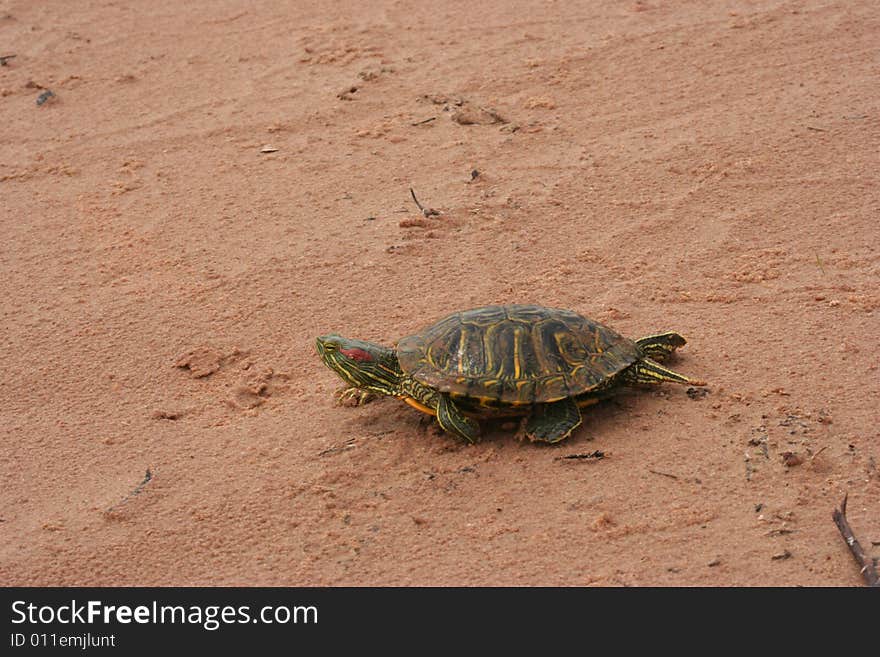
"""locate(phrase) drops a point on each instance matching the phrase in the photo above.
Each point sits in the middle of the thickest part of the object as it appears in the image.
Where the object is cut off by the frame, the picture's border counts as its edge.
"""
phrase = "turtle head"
(364, 365)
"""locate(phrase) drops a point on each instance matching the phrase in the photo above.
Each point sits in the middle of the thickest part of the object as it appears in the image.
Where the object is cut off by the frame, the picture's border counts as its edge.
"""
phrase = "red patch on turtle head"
(359, 355)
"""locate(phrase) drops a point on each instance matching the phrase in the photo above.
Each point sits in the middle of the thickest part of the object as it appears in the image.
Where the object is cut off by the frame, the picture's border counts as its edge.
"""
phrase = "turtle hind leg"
(553, 422)
(648, 372)
(451, 419)
(661, 346)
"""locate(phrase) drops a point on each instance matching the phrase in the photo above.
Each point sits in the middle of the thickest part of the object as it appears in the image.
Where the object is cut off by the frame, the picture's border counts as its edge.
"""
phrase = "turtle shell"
(517, 354)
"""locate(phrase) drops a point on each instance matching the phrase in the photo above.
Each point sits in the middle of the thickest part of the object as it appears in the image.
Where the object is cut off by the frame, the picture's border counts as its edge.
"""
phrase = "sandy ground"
(211, 187)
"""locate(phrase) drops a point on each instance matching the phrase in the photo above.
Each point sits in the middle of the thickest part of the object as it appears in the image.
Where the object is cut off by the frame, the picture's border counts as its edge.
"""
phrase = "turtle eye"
(359, 355)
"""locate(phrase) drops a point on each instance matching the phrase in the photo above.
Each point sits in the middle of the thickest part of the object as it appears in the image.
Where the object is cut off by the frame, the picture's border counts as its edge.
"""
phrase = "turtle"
(507, 360)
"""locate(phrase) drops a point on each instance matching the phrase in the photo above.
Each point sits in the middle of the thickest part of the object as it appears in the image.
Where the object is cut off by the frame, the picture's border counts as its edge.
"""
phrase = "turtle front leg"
(451, 419)
(647, 372)
(553, 422)
(353, 396)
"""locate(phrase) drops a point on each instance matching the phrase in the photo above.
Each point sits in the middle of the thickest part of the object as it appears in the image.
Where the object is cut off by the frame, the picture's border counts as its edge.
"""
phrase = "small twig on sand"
(348, 444)
(424, 121)
(869, 569)
(430, 212)
(663, 474)
(817, 453)
(147, 478)
(4, 59)
(596, 455)
(780, 532)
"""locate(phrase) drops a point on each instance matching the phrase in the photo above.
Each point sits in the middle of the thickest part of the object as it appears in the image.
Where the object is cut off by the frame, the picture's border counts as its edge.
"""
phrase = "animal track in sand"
(256, 389)
(204, 361)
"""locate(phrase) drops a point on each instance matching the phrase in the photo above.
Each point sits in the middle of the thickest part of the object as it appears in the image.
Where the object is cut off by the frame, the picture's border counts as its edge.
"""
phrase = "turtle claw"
(353, 397)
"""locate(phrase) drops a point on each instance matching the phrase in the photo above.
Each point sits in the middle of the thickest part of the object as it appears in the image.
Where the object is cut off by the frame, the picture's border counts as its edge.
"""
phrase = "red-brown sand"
(215, 184)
